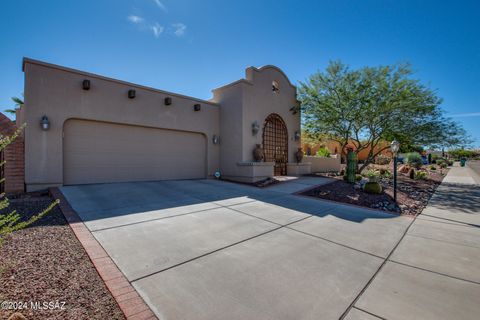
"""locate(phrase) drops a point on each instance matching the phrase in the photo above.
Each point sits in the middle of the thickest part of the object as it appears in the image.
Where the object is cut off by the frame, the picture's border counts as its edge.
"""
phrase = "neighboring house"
(84, 128)
(335, 148)
(13, 155)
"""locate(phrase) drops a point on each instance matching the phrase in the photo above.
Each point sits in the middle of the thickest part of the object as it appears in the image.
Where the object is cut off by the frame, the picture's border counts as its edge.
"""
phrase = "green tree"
(374, 104)
(10, 220)
(18, 104)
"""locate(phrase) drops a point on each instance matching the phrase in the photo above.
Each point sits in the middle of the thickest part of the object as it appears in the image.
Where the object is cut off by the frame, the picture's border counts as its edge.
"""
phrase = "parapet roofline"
(97, 76)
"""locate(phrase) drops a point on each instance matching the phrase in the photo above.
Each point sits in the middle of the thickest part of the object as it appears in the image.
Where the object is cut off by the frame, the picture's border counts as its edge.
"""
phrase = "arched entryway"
(275, 143)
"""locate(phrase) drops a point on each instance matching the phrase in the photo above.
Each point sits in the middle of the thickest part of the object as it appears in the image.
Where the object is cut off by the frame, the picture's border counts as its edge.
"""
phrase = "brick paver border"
(129, 301)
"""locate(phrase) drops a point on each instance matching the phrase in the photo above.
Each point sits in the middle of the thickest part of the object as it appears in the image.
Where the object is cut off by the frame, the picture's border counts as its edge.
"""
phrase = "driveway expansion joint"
(127, 298)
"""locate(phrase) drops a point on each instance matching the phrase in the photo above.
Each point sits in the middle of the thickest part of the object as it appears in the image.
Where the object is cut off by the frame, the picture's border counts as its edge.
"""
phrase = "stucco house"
(84, 128)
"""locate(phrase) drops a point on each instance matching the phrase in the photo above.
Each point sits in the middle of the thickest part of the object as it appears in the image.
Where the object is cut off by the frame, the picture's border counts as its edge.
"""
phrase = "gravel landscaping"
(412, 195)
(45, 263)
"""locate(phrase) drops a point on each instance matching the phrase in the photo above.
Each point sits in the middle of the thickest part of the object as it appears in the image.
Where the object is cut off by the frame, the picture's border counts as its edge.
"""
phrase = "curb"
(127, 298)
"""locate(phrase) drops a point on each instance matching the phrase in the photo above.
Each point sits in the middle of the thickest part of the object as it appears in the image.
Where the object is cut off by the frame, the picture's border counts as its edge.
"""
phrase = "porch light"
(45, 123)
(255, 128)
(394, 147)
(131, 94)
(86, 84)
(297, 135)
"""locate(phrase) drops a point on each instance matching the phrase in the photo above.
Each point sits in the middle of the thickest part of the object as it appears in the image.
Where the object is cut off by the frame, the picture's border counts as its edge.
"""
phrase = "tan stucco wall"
(246, 101)
(57, 92)
(323, 164)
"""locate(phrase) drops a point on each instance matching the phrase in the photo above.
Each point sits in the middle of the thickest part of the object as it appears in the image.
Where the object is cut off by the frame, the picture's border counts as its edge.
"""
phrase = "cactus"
(351, 166)
(411, 173)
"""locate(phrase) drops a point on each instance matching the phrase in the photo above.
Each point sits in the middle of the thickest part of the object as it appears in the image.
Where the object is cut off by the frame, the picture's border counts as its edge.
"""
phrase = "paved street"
(207, 249)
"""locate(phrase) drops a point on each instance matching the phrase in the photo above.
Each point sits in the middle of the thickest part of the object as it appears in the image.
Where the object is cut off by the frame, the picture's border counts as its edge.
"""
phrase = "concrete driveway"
(207, 249)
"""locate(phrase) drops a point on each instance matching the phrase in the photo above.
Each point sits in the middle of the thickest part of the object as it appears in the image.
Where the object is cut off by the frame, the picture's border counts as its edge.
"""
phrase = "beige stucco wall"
(57, 92)
(323, 164)
(246, 101)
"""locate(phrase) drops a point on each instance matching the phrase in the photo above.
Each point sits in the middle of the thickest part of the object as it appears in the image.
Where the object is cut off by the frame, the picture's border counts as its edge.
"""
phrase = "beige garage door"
(98, 152)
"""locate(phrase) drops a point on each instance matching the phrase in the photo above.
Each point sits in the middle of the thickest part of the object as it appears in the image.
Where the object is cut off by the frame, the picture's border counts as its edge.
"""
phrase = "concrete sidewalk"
(434, 272)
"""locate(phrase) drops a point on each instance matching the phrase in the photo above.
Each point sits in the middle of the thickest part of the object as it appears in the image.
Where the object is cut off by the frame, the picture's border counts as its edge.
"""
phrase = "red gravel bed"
(46, 263)
(412, 195)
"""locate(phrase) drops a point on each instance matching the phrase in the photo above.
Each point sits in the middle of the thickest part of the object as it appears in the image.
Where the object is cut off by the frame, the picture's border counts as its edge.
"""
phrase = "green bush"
(433, 168)
(323, 152)
(358, 177)
(372, 175)
(372, 187)
(440, 161)
(450, 163)
(385, 173)
(382, 159)
(421, 175)
(414, 159)
(443, 165)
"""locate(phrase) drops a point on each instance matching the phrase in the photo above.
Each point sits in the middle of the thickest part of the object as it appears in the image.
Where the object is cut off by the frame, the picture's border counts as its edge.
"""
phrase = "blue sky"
(191, 47)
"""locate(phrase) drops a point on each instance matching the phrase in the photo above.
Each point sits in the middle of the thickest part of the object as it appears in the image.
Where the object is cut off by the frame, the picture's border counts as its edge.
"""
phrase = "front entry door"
(275, 143)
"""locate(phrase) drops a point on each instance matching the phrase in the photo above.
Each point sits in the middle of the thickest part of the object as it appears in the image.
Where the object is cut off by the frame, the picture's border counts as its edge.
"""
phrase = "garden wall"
(323, 164)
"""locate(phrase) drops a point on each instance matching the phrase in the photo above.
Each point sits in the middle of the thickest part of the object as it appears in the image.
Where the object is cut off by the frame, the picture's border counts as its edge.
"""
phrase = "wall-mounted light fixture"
(168, 101)
(215, 139)
(255, 128)
(131, 93)
(45, 123)
(297, 135)
(86, 84)
(197, 107)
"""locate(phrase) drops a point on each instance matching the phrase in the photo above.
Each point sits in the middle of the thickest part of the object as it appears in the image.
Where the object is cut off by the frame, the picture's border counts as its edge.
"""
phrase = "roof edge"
(94, 75)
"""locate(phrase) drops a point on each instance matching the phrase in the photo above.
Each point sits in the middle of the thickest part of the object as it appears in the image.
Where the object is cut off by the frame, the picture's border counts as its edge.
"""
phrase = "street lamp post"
(394, 147)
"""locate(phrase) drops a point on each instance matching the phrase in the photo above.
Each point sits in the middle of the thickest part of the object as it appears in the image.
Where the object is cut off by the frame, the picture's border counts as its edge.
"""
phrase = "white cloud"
(160, 5)
(157, 29)
(471, 114)
(135, 19)
(180, 29)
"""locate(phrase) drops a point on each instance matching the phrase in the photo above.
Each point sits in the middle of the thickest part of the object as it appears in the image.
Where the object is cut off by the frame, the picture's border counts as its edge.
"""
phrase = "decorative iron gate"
(275, 143)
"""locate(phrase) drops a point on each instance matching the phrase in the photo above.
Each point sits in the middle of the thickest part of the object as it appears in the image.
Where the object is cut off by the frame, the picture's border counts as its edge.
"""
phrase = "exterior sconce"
(86, 84)
(131, 93)
(168, 101)
(45, 123)
(197, 107)
(297, 135)
(215, 139)
(255, 128)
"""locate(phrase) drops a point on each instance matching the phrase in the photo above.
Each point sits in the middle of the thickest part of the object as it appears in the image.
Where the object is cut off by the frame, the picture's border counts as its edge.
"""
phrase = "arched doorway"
(275, 143)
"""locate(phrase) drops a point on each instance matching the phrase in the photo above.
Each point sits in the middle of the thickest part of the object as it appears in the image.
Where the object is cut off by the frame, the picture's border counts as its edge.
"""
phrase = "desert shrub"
(323, 152)
(382, 159)
(443, 165)
(372, 187)
(433, 168)
(435, 157)
(358, 177)
(372, 175)
(12, 221)
(411, 173)
(385, 173)
(440, 161)
(450, 163)
(414, 159)
(421, 175)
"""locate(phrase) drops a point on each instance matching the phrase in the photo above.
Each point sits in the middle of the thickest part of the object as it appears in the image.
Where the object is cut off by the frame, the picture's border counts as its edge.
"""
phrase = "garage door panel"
(97, 152)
